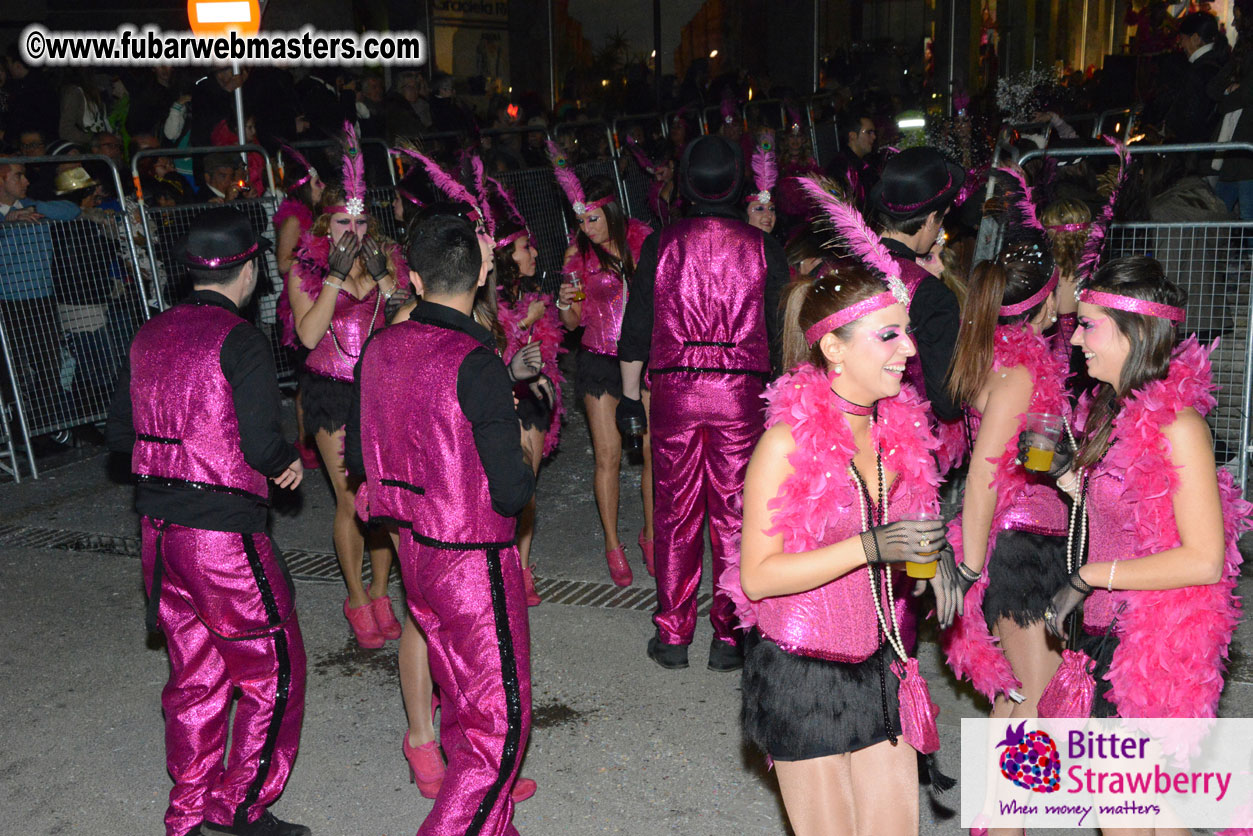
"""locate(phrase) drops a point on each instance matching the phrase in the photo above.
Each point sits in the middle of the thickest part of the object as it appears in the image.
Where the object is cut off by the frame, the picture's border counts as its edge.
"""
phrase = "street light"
(713, 53)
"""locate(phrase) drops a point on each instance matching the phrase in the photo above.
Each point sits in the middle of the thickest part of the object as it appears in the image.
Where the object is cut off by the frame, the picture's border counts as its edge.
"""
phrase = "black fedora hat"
(220, 239)
(711, 170)
(917, 181)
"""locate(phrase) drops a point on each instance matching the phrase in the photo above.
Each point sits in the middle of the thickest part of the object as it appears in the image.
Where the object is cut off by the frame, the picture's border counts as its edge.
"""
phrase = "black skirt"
(797, 707)
(1024, 570)
(326, 402)
(596, 375)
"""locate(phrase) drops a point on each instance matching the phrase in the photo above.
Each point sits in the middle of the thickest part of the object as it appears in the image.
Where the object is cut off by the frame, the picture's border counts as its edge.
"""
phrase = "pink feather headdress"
(857, 236)
(641, 158)
(1026, 198)
(511, 207)
(354, 173)
(794, 120)
(301, 161)
(478, 176)
(1090, 259)
(569, 181)
(444, 181)
(728, 110)
(765, 169)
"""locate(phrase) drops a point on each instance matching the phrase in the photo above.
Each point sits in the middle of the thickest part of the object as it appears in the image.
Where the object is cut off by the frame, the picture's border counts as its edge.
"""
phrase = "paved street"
(619, 746)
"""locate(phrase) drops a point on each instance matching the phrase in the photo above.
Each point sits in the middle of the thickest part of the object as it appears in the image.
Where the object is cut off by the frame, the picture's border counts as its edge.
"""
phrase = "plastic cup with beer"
(1043, 431)
(922, 571)
(574, 281)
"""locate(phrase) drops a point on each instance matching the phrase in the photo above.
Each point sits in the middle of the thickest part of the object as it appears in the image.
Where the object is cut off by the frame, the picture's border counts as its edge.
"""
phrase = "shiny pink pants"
(472, 607)
(228, 613)
(703, 428)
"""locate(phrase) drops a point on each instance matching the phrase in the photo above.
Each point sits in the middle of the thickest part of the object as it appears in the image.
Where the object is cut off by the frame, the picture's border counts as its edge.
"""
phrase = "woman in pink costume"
(845, 462)
(344, 272)
(294, 217)
(1162, 557)
(760, 211)
(528, 315)
(1011, 535)
(796, 159)
(664, 201)
(603, 257)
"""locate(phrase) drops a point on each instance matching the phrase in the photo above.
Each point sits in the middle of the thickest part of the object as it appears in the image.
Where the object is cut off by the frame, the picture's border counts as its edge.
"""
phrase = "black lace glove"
(1063, 453)
(375, 258)
(526, 362)
(1064, 602)
(912, 541)
(343, 255)
(631, 417)
(950, 595)
(542, 388)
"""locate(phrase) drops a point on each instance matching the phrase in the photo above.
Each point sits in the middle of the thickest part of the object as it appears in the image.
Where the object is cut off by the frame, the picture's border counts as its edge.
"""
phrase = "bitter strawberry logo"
(1030, 759)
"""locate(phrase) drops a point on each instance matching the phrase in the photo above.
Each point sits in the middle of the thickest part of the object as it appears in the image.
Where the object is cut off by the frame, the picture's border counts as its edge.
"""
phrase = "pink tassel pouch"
(918, 712)
(1071, 691)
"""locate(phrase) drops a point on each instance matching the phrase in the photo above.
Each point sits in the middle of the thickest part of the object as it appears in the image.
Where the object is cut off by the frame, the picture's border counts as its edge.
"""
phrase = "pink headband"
(843, 317)
(581, 208)
(1068, 227)
(509, 239)
(345, 210)
(1032, 300)
(224, 260)
(1131, 305)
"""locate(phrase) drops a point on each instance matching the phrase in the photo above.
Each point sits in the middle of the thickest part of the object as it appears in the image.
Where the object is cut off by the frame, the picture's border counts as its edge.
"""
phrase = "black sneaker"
(267, 825)
(670, 656)
(725, 657)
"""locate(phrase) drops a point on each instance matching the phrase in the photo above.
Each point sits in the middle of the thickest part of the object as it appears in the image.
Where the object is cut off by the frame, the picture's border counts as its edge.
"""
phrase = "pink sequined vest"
(354, 319)
(602, 311)
(709, 298)
(186, 430)
(1107, 539)
(417, 401)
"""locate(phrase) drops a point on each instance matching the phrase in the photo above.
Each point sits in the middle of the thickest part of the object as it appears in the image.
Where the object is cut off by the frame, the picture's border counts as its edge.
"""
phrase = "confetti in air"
(1024, 94)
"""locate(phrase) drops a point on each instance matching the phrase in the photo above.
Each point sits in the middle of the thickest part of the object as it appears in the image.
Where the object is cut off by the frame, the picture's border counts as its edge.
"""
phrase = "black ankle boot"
(669, 656)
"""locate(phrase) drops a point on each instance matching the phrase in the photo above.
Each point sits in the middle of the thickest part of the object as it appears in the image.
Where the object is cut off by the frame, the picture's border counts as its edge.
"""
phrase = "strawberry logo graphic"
(1030, 759)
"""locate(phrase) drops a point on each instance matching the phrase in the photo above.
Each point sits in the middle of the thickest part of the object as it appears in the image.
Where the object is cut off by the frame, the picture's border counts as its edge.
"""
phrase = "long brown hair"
(807, 302)
(1067, 244)
(1152, 340)
(1020, 272)
(597, 188)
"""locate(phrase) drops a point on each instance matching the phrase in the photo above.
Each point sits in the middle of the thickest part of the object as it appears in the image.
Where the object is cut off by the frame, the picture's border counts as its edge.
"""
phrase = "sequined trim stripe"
(513, 693)
(266, 757)
(282, 686)
(398, 483)
(200, 486)
(703, 370)
(459, 547)
(157, 439)
(708, 344)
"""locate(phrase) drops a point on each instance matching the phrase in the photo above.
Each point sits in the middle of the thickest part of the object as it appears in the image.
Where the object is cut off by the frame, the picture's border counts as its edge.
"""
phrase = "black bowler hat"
(220, 239)
(917, 181)
(711, 170)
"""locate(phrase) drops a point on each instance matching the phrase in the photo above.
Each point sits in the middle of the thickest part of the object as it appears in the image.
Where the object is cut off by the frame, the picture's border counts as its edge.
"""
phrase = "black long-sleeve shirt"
(934, 318)
(485, 396)
(636, 339)
(248, 366)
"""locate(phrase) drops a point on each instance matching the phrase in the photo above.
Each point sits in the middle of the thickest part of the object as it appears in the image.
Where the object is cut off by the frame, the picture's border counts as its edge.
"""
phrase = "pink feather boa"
(636, 233)
(1169, 660)
(971, 650)
(289, 208)
(820, 490)
(548, 331)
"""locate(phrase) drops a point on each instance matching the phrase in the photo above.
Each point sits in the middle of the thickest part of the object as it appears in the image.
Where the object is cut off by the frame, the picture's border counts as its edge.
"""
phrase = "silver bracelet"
(562, 307)
(330, 283)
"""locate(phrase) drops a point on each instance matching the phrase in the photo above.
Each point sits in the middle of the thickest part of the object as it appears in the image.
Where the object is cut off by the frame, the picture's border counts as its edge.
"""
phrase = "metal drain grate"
(322, 567)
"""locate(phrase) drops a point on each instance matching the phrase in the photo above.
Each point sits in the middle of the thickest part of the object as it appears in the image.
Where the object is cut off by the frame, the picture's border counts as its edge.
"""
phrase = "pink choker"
(1032, 300)
(851, 408)
(1132, 305)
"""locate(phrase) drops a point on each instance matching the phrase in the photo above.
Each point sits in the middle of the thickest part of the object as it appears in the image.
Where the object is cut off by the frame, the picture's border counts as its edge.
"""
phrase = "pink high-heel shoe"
(426, 766)
(646, 546)
(523, 789)
(361, 619)
(619, 569)
(528, 582)
(388, 626)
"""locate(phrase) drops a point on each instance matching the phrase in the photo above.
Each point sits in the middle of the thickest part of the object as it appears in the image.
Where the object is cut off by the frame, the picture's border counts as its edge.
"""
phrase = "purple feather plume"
(856, 235)
(479, 176)
(443, 181)
(354, 167)
(297, 158)
(765, 167)
(1093, 249)
(507, 197)
(640, 157)
(566, 178)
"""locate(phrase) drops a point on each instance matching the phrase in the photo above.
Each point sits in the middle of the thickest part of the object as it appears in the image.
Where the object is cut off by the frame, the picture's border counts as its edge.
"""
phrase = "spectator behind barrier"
(223, 179)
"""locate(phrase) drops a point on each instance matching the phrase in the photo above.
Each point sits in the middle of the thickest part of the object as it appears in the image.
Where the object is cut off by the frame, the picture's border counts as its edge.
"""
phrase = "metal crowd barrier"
(1211, 262)
(71, 297)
